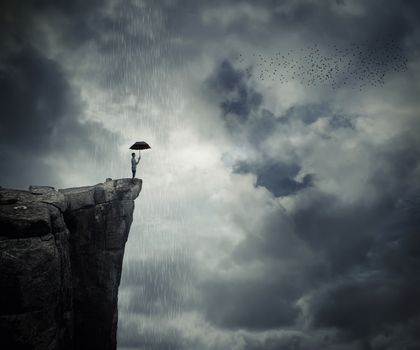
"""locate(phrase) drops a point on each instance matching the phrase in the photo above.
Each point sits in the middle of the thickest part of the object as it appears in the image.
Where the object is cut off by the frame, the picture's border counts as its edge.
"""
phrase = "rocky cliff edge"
(61, 254)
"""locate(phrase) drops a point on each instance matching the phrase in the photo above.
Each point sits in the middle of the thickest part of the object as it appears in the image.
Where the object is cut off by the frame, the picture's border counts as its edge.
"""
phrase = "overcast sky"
(279, 210)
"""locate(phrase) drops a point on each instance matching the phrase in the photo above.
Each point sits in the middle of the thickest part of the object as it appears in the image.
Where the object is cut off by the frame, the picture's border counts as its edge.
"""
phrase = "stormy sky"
(280, 206)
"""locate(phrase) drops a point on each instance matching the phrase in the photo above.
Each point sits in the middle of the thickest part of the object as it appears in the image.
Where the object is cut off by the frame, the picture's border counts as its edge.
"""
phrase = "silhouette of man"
(134, 163)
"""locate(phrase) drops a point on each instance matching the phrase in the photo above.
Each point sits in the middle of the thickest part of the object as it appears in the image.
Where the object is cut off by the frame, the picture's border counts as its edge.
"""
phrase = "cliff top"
(29, 213)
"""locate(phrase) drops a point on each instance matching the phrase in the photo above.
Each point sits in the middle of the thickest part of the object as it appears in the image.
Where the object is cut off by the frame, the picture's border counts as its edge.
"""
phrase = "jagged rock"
(40, 189)
(61, 256)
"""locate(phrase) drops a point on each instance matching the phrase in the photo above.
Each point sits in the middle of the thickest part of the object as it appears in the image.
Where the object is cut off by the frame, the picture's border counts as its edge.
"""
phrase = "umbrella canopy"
(140, 145)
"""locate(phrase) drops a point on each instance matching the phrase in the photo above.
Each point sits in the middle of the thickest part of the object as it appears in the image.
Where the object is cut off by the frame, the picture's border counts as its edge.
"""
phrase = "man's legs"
(134, 173)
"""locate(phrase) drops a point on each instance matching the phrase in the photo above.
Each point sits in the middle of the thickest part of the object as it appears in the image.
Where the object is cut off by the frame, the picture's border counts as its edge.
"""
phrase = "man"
(134, 163)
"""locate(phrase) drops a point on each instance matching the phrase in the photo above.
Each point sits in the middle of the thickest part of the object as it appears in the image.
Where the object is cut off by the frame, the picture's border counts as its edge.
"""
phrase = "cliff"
(61, 256)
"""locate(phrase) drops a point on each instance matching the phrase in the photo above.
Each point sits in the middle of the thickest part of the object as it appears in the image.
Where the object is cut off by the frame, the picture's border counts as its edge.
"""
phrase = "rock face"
(61, 256)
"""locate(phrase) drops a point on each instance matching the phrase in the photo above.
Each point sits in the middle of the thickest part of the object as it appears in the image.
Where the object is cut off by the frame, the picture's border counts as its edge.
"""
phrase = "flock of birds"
(355, 65)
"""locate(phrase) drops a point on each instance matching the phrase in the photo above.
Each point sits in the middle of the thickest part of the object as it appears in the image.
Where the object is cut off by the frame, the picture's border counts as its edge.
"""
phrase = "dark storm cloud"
(239, 98)
(277, 177)
(249, 304)
(36, 97)
(40, 109)
(339, 22)
(243, 113)
(286, 342)
(381, 295)
(311, 112)
(129, 36)
(40, 114)
(74, 22)
(266, 299)
(343, 233)
(366, 306)
(397, 162)
(367, 283)
(352, 21)
(364, 281)
(307, 113)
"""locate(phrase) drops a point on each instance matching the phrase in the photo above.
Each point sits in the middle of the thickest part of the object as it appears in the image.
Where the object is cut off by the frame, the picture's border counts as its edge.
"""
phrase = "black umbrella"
(140, 145)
